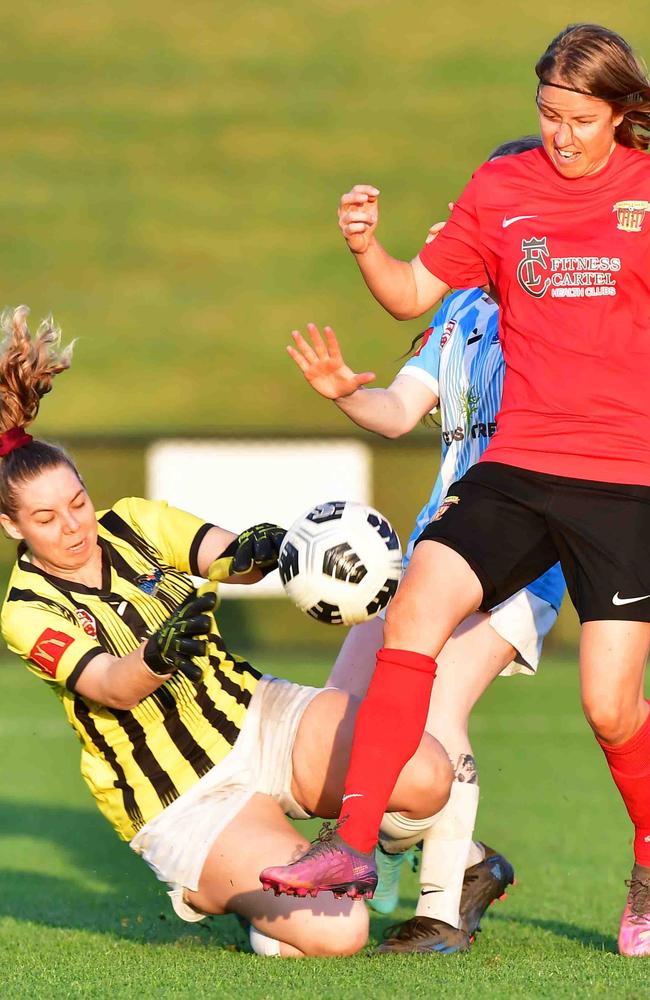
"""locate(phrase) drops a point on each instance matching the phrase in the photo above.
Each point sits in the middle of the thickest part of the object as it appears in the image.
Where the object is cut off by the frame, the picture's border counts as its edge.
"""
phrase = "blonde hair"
(28, 365)
(598, 62)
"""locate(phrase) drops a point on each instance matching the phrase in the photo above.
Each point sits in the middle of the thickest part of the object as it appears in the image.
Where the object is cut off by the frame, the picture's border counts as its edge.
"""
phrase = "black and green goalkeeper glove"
(255, 548)
(182, 637)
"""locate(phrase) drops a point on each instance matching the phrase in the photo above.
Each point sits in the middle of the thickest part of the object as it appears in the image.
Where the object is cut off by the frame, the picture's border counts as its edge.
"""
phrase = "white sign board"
(239, 483)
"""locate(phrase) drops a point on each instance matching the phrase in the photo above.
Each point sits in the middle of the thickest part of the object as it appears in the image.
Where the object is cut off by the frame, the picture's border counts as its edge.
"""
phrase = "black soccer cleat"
(423, 936)
(483, 884)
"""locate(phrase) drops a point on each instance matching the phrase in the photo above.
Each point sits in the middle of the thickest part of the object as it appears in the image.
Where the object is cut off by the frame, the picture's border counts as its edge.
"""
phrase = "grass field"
(170, 174)
(168, 187)
(80, 916)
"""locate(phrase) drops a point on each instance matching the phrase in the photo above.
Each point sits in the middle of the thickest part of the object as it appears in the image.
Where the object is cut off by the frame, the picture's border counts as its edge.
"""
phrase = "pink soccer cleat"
(330, 865)
(634, 934)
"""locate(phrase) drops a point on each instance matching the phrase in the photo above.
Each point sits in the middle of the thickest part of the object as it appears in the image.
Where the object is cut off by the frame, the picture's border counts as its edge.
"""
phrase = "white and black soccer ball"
(341, 562)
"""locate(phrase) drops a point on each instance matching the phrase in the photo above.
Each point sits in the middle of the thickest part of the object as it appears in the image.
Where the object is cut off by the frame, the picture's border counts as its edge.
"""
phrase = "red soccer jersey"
(570, 260)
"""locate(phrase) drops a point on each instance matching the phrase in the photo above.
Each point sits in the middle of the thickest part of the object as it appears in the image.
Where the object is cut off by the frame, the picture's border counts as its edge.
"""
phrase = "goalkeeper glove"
(182, 637)
(255, 548)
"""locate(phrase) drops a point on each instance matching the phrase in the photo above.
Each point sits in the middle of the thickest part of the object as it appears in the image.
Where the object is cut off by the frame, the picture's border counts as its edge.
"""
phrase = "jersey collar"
(71, 586)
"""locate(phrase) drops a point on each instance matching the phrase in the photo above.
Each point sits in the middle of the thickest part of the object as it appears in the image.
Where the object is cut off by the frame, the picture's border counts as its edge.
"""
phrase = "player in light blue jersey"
(459, 369)
(460, 361)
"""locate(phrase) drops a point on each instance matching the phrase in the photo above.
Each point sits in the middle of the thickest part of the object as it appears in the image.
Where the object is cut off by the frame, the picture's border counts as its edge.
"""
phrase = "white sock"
(397, 832)
(262, 944)
(476, 854)
(445, 855)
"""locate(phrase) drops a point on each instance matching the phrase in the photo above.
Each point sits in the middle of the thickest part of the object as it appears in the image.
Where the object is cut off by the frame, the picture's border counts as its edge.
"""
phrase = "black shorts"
(511, 525)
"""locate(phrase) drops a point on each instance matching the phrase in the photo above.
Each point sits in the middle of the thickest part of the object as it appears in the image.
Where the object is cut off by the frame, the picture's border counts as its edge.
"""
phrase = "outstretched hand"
(323, 366)
(358, 214)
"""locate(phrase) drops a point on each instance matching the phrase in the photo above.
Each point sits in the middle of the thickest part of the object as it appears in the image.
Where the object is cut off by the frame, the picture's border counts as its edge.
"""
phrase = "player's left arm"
(390, 412)
(193, 546)
(224, 557)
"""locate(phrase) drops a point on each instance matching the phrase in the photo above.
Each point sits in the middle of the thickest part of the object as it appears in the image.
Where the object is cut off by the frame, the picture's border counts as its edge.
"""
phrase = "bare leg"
(355, 663)
(321, 753)
(260, 834)
(438, 592)
(229, 883)
(612, 669)
(467, 664)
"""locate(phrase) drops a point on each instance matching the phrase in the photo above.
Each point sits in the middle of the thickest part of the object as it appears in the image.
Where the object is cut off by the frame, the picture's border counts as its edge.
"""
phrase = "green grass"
(81, 916)
(167, 188)
(170, 174)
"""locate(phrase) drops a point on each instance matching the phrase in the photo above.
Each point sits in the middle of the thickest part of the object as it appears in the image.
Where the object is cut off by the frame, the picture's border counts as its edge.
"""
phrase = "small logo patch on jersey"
(49, 648)
(449, 328)
(516, 218)
(88, 623)
(444, 507)
(148, 583)
(631, 215)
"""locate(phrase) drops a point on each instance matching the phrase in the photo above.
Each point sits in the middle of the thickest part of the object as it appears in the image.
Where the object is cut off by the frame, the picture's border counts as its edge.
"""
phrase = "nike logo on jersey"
(353, 795)
(628, 600)
(428, 892)
(516, 218)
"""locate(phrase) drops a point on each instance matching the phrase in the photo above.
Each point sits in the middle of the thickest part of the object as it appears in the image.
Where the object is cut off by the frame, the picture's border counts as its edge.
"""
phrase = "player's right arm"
(118, 681)
(59, 651)
(406, 289)
(390, 412)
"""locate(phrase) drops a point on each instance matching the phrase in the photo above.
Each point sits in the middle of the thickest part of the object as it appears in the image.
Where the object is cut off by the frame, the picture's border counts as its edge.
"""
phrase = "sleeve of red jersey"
(455, 257)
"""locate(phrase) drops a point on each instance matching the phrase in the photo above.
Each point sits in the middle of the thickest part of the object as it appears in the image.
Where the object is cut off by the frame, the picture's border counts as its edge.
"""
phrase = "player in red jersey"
(563, 236)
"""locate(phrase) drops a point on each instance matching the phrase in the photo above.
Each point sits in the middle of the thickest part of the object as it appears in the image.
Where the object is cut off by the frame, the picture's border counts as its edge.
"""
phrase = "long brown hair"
(28, 365)
(598, 62)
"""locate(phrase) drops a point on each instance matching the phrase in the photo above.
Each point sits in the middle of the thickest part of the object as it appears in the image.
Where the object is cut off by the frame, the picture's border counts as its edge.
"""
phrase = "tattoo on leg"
(465, 769)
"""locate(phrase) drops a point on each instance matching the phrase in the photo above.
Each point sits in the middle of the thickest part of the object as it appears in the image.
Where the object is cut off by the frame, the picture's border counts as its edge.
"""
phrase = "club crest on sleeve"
(87, 622)
(444, 507)
(49, 648)
(631, 215)
(449, 328)
(148, 583)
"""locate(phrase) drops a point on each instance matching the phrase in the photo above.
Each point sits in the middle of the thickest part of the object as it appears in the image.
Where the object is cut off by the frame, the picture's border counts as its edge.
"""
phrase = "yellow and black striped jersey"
(135, 762)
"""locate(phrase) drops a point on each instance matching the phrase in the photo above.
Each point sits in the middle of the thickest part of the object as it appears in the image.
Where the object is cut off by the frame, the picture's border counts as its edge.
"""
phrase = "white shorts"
(524, 620)
(176, 842)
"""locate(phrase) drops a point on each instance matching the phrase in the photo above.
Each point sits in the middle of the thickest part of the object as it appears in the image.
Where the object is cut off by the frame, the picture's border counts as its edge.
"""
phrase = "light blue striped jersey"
(460, 360)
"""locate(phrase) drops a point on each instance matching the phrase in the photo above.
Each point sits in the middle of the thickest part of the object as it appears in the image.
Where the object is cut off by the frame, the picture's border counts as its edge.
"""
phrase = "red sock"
(629, 763)
(387, 733)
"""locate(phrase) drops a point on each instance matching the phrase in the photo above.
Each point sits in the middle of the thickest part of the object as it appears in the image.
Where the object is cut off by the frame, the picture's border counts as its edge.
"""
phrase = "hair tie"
(15, 437)
(636, 97)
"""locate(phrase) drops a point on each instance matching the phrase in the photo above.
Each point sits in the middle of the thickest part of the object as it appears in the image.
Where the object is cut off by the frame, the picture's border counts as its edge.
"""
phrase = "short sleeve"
(454, 257)
(53, 647)
(176, 534)
(424, 365)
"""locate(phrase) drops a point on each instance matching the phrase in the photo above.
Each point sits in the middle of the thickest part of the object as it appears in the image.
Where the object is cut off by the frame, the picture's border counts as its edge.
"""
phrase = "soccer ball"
(341, 562)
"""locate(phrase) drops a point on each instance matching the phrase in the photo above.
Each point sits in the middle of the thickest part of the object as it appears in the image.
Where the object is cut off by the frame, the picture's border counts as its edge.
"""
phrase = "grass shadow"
(121, 896)
(586, 936)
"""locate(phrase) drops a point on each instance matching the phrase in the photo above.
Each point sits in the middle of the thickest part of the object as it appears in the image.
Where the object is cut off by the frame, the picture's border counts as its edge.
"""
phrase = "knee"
(612, 722)
(430, 779)
(337, 936)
